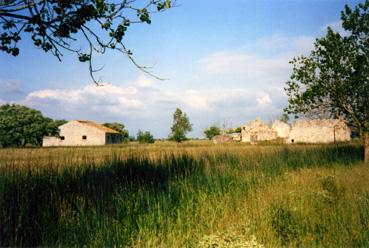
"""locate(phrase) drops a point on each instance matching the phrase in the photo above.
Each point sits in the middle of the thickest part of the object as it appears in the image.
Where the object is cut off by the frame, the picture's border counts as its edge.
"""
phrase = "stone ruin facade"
(222, 138)
(302, 131)
(256, 130)
(282, 129)
(319, 131)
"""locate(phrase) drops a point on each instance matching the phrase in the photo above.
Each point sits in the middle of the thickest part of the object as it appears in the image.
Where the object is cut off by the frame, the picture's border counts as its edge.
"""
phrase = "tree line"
(21, 126)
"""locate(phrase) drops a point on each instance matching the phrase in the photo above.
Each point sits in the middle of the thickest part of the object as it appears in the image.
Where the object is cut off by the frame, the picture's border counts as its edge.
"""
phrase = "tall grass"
(187, 195)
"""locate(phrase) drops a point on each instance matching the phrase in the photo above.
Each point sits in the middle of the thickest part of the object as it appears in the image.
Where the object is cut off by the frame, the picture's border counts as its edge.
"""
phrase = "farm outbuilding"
(83, 133)
(319, 131)
(256, 130)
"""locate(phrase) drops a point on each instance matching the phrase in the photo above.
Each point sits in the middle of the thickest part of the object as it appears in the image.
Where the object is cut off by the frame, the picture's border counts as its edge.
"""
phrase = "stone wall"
(222, 138)
(319, 131)
(257, 131)
(282, 129)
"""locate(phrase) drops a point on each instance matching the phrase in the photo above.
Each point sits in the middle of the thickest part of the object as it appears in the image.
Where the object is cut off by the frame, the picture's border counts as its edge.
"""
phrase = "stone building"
(222, 138)
(235, 136)
(83, 133)
(319, 131)
(256, 130)
(282, 129)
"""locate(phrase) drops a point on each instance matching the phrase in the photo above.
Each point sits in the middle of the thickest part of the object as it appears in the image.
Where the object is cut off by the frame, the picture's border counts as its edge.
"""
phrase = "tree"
(212, 131)
(56, 25)
(235, 130)
(181, 125)
(334, 78)
(145, 137)
(284, 118)
(20, 126)
(119, 128)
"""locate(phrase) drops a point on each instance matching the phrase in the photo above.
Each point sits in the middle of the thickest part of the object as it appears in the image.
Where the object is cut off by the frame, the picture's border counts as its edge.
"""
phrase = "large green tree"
(59, 26)
(20, 126)
(181, 125)
(119, 127)
(334, 79)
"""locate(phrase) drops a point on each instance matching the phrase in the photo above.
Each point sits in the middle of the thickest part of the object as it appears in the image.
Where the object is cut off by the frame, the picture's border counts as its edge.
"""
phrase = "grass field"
(194, 194)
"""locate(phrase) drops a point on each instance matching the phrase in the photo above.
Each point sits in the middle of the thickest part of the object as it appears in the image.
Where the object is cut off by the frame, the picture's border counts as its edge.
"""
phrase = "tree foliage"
(20, 126)
(284, 118)
(181, 125)
(234, 130)
(119, 127)
(212, 131)
(145, 137)
(56, 25)
(334, 79)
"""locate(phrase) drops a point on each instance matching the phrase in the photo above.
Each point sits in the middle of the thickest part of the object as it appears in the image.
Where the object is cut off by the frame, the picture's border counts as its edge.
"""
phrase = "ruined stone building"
(282, 129)
(257, 131)
(222, 138)
(226, 138)
(319, 131)
(83, 133)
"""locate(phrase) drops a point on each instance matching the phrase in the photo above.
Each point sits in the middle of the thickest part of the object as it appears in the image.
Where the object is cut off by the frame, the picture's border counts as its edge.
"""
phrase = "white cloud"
(282, 43)
(264, 100)
(249, 83)
(243, 63)
(144, 81)
(138, 108)
(2, 101)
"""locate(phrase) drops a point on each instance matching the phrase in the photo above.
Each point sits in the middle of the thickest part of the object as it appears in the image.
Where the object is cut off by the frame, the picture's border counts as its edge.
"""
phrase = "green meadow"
(192, 194)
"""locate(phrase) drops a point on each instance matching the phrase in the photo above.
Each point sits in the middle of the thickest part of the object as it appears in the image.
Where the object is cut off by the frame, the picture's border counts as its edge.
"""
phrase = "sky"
(226, 63)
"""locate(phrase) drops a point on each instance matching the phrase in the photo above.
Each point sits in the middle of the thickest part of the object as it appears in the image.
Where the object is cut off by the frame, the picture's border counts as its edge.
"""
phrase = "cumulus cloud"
(140, 107)
(249, 83)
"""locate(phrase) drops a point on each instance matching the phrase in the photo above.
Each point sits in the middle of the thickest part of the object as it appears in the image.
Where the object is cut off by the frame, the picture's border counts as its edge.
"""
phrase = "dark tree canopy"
(20, 126)
(181, 125)
(334, 79)
(59, 26)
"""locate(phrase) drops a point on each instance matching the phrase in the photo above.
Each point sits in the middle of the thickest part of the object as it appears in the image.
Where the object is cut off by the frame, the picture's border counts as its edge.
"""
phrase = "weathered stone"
(319, 131)
(257, 131)
(282, 129)
(222, 138)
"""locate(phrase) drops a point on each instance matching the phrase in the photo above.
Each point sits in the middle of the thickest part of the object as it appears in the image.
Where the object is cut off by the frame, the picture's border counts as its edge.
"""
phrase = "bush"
(145, 137)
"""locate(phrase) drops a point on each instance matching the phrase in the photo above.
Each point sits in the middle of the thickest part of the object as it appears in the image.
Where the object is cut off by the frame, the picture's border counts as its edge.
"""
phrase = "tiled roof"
(98, 126)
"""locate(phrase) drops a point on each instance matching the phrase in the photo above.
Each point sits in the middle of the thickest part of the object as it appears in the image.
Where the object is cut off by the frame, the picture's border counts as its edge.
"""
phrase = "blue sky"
(226, 61)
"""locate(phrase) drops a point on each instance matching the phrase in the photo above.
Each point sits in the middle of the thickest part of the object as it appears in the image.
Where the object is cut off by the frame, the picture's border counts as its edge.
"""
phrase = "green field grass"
(193, 194)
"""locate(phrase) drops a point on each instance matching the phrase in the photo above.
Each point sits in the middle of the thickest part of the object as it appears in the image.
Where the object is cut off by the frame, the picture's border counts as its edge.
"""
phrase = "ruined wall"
(222, 138)
(319, 131)
(257, 131)
(282, 129)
